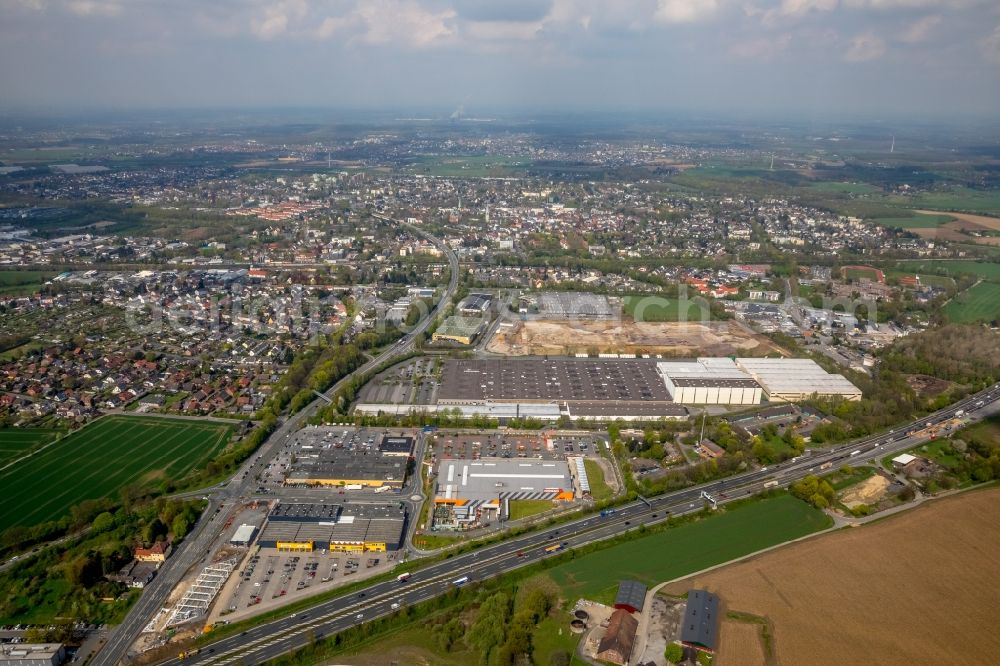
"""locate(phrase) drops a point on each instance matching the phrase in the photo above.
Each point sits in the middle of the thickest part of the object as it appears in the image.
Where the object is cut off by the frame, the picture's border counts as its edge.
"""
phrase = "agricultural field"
(656, 308)
(918, 221)
(980, 302)
(692, 547)
(985, 270)
(844, 599)
(21, 283)
(957, 199)
(16, 442)
(100, 459)
(831, 187)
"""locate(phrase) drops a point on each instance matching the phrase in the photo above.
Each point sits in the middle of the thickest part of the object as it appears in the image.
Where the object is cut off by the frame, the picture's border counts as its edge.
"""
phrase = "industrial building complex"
(628, 389)
(474, 491)
(792, 379)
(349, 528)
(326, 456)
(710, 381)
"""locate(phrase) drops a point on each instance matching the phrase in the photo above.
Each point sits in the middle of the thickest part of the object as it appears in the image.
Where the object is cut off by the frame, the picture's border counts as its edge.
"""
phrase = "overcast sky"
(859, 57)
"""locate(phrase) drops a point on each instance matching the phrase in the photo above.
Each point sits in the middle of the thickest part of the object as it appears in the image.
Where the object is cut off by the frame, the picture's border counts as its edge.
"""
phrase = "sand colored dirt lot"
(869, 491)
(558, 337)
(922, 587)
(740, 645)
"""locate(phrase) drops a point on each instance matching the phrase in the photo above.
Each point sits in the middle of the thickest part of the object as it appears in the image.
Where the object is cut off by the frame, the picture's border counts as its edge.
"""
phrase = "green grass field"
(16, 442)
(858, 273)
(957, 199)
(980, 302)
(599, 488)
(657, 308)
(832, 187)
(925, 278)
(918, 221)
(525, 508)
(22, 283)
(985, 270)
(100, 459)
(688, 548)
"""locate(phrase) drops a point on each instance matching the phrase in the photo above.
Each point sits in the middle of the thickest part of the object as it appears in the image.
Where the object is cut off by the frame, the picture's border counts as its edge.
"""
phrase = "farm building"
(32, 654)
(709, 381)
(470, 491)
(794, 379)
(631, 596)
(701, 621)
(619, 638)
(349, 528)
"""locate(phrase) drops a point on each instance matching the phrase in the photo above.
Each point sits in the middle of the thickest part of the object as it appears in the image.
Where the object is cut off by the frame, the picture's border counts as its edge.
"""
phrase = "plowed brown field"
(919, 588)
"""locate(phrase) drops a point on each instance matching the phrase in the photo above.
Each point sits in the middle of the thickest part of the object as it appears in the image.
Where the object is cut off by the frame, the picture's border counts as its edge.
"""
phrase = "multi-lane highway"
(281, 636)
(196, 546)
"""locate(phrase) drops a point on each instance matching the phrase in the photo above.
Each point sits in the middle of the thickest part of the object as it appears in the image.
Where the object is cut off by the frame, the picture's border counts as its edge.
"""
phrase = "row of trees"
(68, 581)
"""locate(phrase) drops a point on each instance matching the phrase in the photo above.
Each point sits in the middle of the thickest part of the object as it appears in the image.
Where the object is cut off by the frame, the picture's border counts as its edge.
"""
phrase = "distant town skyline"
(815, 57)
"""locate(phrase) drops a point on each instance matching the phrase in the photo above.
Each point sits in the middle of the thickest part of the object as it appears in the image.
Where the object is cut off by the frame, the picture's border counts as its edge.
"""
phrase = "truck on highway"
(960, 413)
(403, 577)
(607, 512)
(190, 653)
(855, 452)
(460, 581)
(773, 483)
(554, 548)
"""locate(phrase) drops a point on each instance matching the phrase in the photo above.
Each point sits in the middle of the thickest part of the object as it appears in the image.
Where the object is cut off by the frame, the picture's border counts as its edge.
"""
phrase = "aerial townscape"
(526, 333)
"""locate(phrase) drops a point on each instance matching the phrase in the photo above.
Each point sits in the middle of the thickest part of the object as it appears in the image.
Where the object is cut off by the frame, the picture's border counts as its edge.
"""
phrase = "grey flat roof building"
(701, 620)
(396, 446)
(32, 654)
(351, 467)
(631, 596)
(547, 380)
(328, 524)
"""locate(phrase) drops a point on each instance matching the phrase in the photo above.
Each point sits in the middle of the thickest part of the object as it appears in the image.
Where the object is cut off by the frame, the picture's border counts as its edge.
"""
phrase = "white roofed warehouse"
(709, 381)
(794, 379)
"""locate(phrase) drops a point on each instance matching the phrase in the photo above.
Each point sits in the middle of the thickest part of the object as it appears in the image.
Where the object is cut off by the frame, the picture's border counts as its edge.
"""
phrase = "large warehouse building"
(348, 528)
(370, 469)
(793, 379)
(480, 490)
(709, 381)
(589, 388)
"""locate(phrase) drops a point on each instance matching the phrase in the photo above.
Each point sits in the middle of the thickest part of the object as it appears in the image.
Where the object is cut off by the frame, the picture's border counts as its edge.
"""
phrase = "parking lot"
(413, 382)
(492, 444)
(268, 578)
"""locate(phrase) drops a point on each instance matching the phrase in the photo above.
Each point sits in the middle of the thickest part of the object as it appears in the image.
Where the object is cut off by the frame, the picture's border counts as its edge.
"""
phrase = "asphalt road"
(281, 636)
(198, 543)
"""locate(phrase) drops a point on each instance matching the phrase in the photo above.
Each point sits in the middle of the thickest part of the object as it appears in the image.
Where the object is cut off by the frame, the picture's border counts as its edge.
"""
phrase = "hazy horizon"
(824, 59)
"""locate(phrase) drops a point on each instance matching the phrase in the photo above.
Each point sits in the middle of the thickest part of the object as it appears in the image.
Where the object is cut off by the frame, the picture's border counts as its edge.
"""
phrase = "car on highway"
(359, 616)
